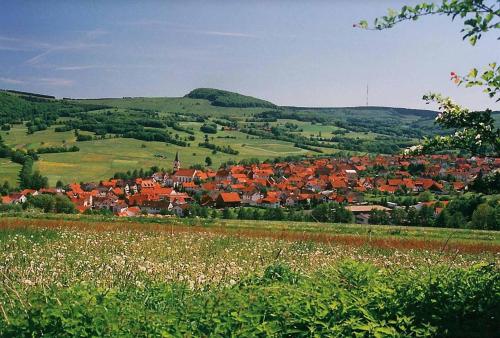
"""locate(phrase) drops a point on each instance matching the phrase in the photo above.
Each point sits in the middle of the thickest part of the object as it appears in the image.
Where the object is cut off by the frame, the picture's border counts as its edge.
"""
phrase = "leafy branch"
(478, 16)
(474, 131)
(488, 78)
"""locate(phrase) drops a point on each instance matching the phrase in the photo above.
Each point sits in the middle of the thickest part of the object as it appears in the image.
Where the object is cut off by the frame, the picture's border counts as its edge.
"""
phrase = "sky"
(301, 53)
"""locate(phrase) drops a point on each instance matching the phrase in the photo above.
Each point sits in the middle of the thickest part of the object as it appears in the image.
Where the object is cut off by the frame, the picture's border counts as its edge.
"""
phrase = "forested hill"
(223, 98)
(423, 113)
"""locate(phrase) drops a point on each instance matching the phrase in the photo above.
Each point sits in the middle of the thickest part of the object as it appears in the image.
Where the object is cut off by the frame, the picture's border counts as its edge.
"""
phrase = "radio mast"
(367, 94)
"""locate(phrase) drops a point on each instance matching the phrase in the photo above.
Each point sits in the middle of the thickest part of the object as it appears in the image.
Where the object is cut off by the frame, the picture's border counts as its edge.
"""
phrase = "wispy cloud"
(188, 29)
(47, 81)
(11, 81)
(8, 43)
(150, 22)
(229, 34)
(82, 67)
(44, 49)
(12, 49)
(94, 33)
(65, 47)
(54, 81)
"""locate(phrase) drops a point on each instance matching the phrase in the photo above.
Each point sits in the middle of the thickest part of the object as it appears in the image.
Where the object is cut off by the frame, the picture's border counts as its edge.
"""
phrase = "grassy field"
(173, 277)
(9, 171)
(100, 159)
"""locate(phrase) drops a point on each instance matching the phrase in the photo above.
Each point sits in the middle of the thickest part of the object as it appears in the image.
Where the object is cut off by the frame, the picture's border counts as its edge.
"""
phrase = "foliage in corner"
(473, 131)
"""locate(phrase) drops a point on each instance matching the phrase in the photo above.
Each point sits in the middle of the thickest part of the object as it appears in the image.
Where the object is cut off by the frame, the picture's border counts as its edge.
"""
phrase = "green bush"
(353, 299)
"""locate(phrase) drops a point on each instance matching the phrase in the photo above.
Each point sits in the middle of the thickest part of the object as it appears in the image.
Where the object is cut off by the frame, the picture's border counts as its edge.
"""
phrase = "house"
(362, 212)
(190, 186)
(251, 196)
(351, 174)
(180, 209)
(208, 200)
(155, 207)
(119, 206)
(222, 175)
(6, 200)
(18, 198)
(130, 212)
(228, 199)
(458, 186)
(29, 192)
(270, 201)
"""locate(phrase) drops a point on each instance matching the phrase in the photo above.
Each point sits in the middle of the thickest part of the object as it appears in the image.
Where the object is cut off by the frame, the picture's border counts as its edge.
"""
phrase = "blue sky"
(303, 53)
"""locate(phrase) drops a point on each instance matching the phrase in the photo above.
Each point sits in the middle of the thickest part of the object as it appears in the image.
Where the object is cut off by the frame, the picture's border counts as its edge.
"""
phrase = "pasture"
(100, 159)
(9, 171)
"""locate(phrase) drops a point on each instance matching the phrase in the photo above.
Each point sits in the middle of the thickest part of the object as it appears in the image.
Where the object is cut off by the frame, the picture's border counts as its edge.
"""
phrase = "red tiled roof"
(229, 197)
(185, 172)
(388, 188)
(6, 199)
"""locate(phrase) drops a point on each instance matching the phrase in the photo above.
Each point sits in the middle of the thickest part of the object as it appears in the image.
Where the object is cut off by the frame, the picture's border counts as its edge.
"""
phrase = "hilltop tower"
(177, 163)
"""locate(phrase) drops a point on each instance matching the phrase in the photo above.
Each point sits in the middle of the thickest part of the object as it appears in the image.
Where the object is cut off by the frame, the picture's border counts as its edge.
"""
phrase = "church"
(181, 175)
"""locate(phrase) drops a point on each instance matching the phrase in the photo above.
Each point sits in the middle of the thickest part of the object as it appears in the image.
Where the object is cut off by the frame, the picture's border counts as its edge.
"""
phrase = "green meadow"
(9, 171)
(100, 159)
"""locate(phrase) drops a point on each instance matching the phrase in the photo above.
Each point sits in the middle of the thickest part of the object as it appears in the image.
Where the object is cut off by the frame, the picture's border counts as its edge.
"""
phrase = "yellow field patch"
(124, 162)
(47, 165)
(270, 146)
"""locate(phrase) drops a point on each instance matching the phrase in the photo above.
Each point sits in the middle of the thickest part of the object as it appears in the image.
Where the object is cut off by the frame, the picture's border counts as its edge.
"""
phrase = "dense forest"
(224, 98)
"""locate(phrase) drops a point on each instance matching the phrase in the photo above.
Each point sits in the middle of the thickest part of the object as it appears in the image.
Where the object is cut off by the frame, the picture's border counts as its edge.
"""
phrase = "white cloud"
(11, 81)
(54, 81)
(229, 34)
(69, 47)
(188, 29)
(82, 67)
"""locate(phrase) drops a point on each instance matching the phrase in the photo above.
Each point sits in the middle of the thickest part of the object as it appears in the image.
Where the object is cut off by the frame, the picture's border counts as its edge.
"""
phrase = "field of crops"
(175, 278)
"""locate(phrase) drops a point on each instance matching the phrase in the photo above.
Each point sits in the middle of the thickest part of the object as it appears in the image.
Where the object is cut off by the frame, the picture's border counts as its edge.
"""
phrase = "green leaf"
(473, 72)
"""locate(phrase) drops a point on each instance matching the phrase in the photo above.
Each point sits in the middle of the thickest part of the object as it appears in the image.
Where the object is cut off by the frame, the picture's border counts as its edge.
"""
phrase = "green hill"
(121, 134)
(223, 98)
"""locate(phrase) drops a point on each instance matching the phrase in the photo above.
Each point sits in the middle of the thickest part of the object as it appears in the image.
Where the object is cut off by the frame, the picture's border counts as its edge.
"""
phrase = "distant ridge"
(224, 98)
(425, 113)
(28, 94)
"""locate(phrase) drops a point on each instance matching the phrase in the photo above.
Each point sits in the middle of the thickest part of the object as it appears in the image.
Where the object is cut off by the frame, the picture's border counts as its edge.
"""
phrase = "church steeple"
(177, 162)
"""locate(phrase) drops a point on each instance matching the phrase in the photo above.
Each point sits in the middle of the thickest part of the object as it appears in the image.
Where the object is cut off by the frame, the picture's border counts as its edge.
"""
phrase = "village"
(347, 181)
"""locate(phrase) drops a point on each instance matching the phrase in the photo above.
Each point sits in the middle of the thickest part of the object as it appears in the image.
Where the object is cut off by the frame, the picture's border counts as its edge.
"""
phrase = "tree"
(398, 216)
(443, 219)
(489, 184)
(228, 213)
(43, 202)
(62, 204)
(473, 131)
(209, 128)
(331, 212)
(5, 188)
(425, 196)
(208, 161)
(49, 203)
(484, 217)
(426, 216)
(378, 217)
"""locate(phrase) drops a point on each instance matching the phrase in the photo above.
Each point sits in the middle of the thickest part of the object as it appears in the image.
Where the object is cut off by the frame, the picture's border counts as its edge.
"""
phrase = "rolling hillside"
(120, 134)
